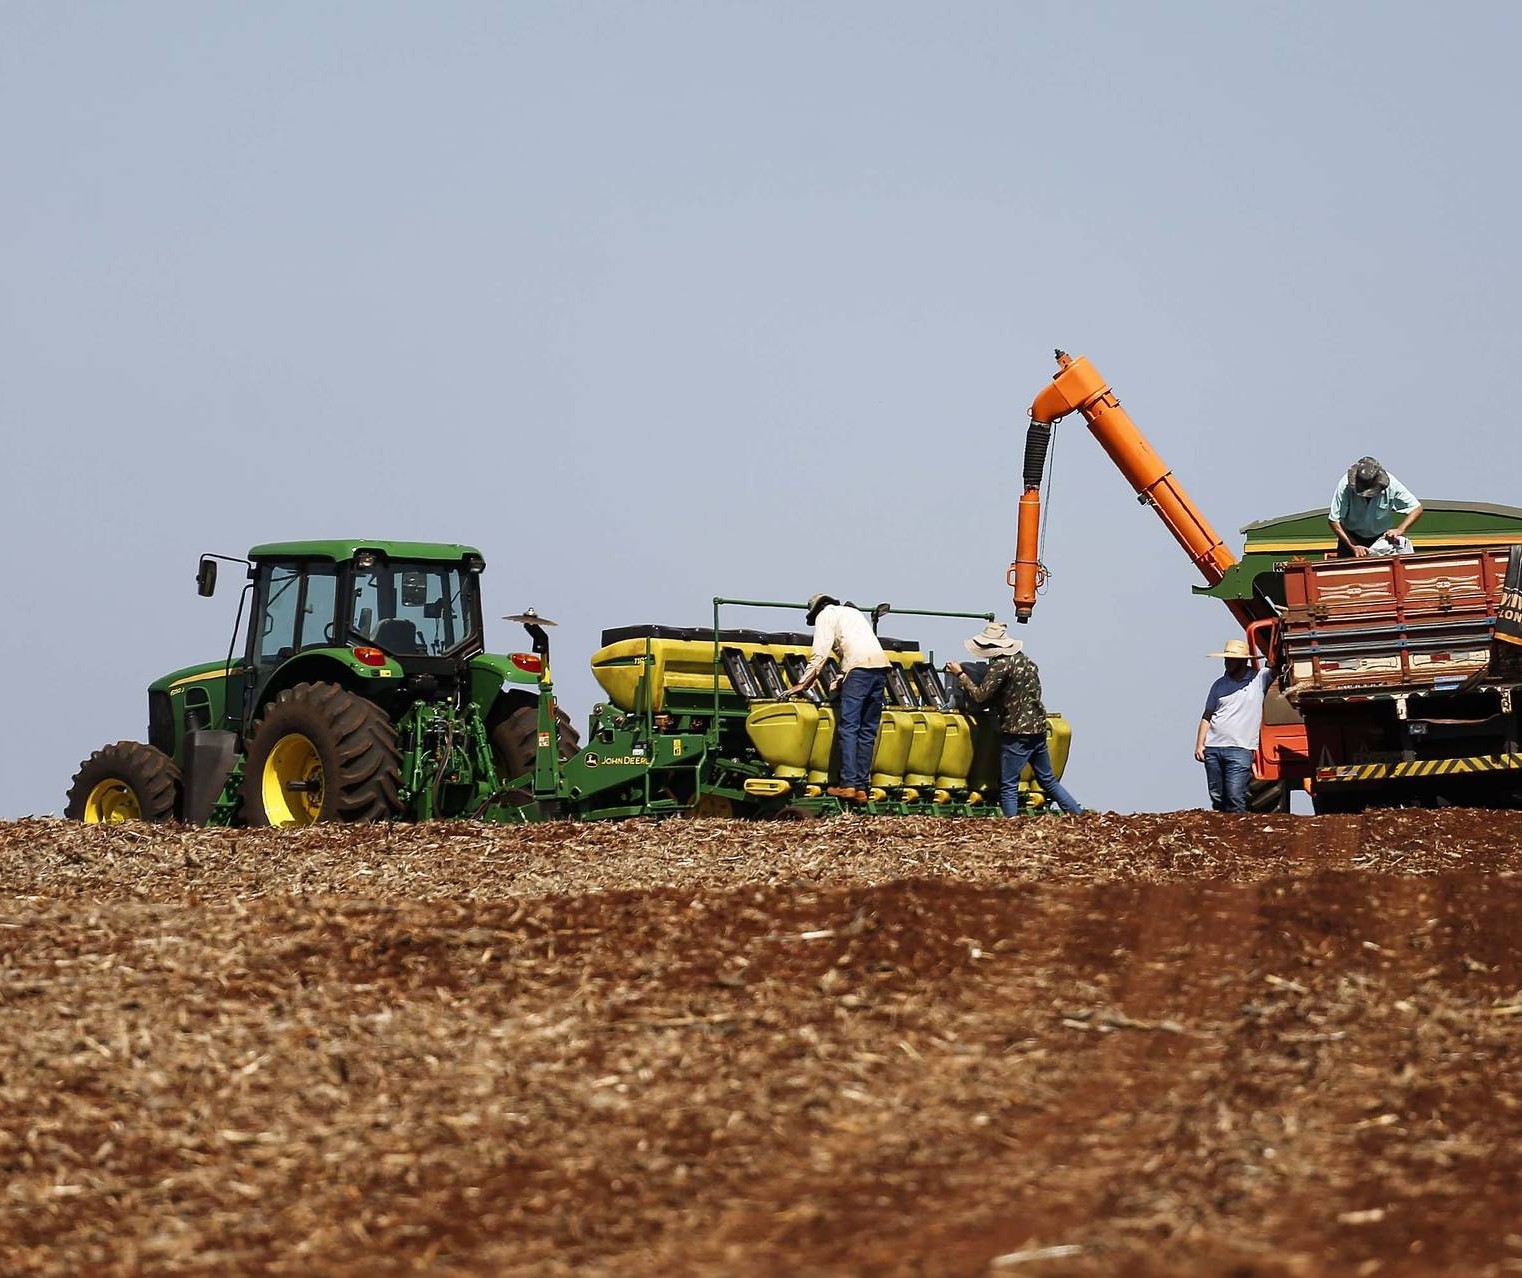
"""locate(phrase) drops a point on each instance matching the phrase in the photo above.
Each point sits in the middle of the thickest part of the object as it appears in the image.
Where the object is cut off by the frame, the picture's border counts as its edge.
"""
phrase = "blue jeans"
(1228, 769)
(861, 709)
(1021, 748)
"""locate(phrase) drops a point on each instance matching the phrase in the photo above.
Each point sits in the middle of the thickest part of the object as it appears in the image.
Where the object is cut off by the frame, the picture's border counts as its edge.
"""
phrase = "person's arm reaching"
(980, 692)
(1401, 528)
(1341, 534)
(824, 646)
(1336, 513)
(806, 680)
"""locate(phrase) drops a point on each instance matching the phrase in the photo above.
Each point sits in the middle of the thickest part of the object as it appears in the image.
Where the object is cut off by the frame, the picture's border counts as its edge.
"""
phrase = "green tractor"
(362, 692)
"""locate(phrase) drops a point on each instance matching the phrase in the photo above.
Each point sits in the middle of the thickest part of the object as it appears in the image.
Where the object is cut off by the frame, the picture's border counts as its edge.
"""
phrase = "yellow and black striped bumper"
(1355, 772)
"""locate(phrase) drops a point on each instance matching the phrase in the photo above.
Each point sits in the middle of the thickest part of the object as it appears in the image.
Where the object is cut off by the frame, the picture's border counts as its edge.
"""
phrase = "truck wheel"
(319, 753)
(1267, 796)
(1332, 804)
(127, 781)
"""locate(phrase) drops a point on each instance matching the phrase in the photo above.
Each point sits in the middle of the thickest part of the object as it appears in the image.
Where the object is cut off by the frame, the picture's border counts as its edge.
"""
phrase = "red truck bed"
(1391, 622)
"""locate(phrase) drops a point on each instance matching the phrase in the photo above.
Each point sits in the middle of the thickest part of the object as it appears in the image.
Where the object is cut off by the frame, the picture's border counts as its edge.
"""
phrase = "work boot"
(846, 792)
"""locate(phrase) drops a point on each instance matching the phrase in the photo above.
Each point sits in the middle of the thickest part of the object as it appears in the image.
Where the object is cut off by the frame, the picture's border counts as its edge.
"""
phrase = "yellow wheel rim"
(292, 782)
(110, 802)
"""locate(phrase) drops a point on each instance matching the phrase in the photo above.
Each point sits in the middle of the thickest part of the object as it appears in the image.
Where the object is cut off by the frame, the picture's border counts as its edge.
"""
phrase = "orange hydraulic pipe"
(1078, 386)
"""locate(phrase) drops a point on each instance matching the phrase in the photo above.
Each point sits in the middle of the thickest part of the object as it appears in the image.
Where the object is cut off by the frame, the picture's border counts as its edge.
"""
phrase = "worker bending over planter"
(845, 632)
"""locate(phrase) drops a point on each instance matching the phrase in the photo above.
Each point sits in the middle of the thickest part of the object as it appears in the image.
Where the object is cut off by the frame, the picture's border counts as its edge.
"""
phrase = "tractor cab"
(402, 620)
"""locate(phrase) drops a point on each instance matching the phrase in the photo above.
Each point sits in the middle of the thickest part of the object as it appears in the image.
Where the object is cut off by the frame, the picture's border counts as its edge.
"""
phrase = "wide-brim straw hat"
(1236, 649)
(993, 641)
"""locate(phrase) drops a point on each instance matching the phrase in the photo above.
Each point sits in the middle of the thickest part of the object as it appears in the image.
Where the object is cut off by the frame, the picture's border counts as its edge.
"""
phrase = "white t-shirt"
(1234, 710)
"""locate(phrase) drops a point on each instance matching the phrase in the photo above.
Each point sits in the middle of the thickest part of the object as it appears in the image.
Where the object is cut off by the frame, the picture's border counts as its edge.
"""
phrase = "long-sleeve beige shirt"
(845, 632)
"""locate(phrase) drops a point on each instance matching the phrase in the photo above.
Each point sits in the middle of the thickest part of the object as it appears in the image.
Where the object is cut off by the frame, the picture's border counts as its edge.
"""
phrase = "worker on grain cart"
(1015, 681)
(1229, 727)
(1365, 506)
(845, 632)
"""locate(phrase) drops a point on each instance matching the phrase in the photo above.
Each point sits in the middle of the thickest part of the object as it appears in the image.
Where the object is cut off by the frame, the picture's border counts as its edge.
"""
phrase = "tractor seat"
(399, 636)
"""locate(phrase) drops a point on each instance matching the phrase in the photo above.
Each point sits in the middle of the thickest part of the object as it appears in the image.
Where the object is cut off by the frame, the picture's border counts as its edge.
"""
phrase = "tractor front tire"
(127, 781)
(320, 753)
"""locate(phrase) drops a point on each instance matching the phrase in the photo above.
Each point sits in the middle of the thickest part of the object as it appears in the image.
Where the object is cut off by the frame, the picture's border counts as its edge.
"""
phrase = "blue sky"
(658, 302)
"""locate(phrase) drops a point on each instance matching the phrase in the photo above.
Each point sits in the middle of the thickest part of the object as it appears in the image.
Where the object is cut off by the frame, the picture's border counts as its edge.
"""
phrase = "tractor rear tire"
(515, 743)
(127, 781)
(567, 736)
(320, 753)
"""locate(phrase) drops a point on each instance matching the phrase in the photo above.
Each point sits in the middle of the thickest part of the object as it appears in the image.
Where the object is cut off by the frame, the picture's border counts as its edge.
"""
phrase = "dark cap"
(817, 604)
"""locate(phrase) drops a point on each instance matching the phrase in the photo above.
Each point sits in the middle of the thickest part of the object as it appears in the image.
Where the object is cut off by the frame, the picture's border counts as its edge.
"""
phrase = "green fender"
(491, 672)
(332, 665)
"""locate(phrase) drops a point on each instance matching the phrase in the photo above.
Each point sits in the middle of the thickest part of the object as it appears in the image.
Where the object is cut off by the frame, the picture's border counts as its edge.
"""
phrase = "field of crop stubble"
(1141, 1045)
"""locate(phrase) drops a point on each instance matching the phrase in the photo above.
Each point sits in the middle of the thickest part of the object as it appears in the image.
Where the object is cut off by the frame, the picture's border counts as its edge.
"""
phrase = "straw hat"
(1236, 650)
(993, 641)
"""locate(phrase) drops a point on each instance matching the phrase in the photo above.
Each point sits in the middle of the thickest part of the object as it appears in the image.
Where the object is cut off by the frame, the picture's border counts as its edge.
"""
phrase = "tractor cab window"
(319, 607)
(278, 614)
(294, 608)
(411, 609)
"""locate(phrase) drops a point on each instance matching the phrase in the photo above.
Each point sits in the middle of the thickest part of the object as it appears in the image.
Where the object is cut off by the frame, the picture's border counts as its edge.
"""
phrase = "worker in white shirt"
(1229, 727)
(845, 632)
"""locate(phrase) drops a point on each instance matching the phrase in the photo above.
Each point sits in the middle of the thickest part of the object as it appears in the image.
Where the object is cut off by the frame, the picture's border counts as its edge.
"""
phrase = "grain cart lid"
(1444, 525)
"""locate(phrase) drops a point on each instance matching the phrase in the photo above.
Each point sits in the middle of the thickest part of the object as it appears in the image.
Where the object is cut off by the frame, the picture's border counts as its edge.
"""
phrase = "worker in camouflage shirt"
(1013, 684)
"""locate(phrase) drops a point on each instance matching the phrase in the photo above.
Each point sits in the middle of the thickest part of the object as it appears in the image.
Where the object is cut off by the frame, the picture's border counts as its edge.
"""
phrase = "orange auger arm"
(1077, 385)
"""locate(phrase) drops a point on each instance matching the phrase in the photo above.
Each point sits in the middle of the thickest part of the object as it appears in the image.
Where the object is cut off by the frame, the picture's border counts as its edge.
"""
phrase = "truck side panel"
(1391, 621)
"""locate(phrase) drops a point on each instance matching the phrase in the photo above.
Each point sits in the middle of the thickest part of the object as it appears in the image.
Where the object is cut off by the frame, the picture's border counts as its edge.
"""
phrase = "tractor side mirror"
(414, 589)
(206, 578)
